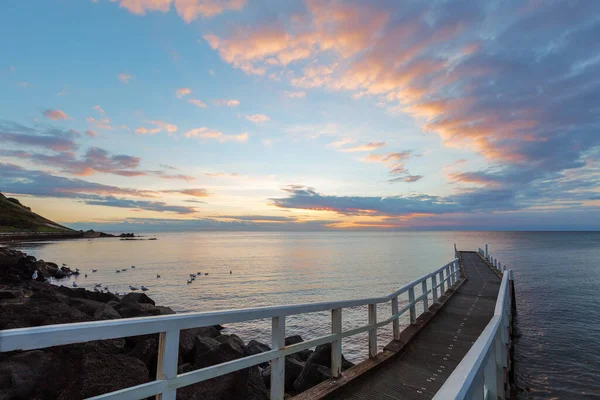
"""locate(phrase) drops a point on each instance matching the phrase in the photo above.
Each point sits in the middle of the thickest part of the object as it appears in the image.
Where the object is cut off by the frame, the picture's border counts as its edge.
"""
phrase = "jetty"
(456, 343)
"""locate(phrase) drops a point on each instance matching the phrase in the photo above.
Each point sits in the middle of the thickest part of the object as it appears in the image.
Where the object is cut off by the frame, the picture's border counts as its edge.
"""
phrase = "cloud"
(222, 174)
(388, 157)
(99, 109)
(125, 78)
(159, 127)
(258, 118)
(17, 180)
(50, 138)
(24, 84)
(91, 133)
(341, 142)
(55, 115)
(62, 92)
(188, 10)
(364, 147)
(197, 103)
(257, 218)
(206, 133)
(407, 178)
(224, 102)
(295, 95)
(182, 92)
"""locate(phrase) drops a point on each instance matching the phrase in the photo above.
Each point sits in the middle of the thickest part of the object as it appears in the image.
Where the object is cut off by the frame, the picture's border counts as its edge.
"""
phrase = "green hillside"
(15, 217)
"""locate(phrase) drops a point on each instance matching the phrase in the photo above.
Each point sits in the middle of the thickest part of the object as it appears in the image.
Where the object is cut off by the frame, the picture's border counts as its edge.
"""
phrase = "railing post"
(336, 345)
(425, 296)
(489, 374)
(168, 356)
(499, 366)
(448, 277)
(373, 330)
(413, 309)
(442, 283)
(486, 251)
(278, 364)
(396, 322)
(434, 288)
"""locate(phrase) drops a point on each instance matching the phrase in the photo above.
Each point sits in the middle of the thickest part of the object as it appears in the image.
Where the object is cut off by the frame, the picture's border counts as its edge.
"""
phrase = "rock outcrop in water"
(89, 369)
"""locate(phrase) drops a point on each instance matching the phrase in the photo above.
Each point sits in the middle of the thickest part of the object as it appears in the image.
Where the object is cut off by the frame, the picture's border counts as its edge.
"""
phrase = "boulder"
(137, 298)
(9, 294)
(25, 373)
(101, 373)
(40, 309)
(106, 312)
(209, 351)
(304, 354)
(110, 346)
(311, 375)
(147, 352)
(187, 340)
(256, 347)
(132, 310)
(203, 346)
(246, 384)
(294, 339)
(293, 369)
(322, 356)
(90, 307)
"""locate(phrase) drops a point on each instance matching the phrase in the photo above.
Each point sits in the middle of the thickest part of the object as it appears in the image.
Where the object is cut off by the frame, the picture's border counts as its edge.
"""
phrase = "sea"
(557, 279)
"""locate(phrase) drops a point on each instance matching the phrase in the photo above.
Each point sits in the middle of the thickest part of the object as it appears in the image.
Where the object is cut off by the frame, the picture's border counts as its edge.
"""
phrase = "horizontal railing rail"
(169, 327)
(483, 372)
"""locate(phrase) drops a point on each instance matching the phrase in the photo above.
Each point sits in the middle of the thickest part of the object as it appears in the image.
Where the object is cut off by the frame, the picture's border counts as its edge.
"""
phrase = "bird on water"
(35, 275)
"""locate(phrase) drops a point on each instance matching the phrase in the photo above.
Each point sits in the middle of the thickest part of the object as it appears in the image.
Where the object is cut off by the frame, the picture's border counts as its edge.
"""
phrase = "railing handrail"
(169, 327)
(97, 330)
(467, 381)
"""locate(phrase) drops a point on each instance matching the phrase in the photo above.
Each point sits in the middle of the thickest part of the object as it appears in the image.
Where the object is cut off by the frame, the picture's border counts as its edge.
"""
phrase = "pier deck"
(420, 369)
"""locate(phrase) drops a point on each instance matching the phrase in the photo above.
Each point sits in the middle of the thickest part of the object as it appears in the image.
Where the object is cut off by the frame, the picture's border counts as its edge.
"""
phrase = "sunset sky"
(301, 115)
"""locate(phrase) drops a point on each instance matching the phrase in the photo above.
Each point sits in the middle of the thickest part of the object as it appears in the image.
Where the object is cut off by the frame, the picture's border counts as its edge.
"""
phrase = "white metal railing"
(483, 372)
(169, 327)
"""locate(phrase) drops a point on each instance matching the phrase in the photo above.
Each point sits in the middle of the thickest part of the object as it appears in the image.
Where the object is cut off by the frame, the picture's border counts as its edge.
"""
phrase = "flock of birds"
(98, 286)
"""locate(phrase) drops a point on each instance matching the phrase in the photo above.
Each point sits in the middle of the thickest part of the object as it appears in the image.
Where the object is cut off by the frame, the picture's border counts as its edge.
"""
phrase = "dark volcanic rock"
(137, 298)
(322, 356)
(132, 310)
(23, 374)
(102, 373)
(293, 369)
(295, 339)
(37, 311)
(246, 384)
(187, 340)
(110, 346)
(256, 347)
(147, 352)
(8, 294)
(311, 375)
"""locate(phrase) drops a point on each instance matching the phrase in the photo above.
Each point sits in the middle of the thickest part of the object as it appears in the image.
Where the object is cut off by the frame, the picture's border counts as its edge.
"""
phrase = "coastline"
(93, 368)
(10, 237)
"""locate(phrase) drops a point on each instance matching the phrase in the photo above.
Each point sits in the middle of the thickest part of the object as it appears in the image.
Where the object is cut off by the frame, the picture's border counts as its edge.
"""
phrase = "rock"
(101, 296)
(137, 298)
(209, 351)
(202, 346)
(39, 309)
(106, 312)
(293, 369)
(59, 274)
(132, 310)
(187, 340)
(24, 373)
(78, 293)
(8, 294)
(322, 356)
(256, 347)
(87, 306)
(246, 384)
(101, 373)
(110, 346)
(304, 354)
(147, 352)
(311, 375)
(295, 339)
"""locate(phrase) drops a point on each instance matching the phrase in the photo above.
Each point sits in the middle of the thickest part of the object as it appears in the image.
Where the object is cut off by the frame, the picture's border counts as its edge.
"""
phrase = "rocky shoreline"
(93, 368)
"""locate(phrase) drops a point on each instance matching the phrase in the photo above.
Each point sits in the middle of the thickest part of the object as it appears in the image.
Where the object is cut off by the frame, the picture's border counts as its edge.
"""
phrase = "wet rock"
(106, 312)
(132, 310)
(9, 294)
(87, 306)
(141, 298)
(203, 346)
(304, 354)
(23, 374)
(39, 309)
(110, 346)
(311, 375)
(246, 384)
(295, 339)
(187, 340)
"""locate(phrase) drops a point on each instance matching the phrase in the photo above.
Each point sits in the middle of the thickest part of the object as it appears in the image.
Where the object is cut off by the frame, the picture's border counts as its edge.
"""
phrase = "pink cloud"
(295, 95)
(91, 133)
(228, 103)
(99, 109)
(197, 103)
(125, 78)
(205, 133)
(55, 115)
(364, 147)
(188, 10)
(159, 127)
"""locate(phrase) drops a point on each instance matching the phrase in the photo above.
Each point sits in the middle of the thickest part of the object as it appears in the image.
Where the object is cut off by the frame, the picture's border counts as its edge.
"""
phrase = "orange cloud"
(99, 109)
(182, 92)
(258, 118)
(55, 115)
(188, 10)
(160, 126)
(228, 103)
(206, 133)
(364, 147)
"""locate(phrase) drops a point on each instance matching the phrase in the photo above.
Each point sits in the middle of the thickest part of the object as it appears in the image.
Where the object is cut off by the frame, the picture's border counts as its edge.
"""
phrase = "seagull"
(118, 271)
(106, 288)
(144, 288)
(133, 266)
(189, 281)
(96, 290)
(157, 276)
(124, 269)
(230, 272)
(86, 275)
(64, 265)
(192, 275)
(206, 273)
(94, 270)
(132, 288)
(98, 285)
(74, 284)
(199, 273)
(35, 275)
(76, 269)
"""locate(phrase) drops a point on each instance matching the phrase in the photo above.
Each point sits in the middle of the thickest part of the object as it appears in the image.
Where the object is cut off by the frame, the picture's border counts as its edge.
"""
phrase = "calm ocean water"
(557, 280)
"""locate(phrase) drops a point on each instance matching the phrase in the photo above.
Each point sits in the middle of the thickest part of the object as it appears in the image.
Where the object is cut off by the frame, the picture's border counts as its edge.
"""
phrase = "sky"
(302, 115)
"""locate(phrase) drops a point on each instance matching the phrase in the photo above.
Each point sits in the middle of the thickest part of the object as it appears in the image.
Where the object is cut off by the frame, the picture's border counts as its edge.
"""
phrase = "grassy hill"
(15, 217)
